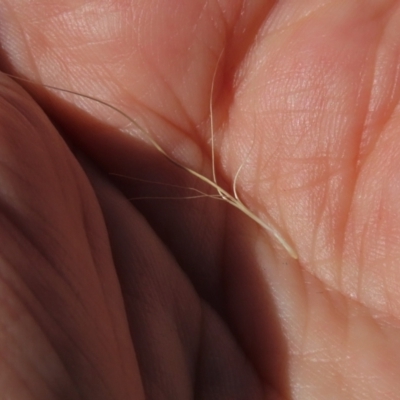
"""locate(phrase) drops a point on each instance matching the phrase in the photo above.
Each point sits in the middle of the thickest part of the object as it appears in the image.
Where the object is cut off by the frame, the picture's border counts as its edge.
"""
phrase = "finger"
(62, 322)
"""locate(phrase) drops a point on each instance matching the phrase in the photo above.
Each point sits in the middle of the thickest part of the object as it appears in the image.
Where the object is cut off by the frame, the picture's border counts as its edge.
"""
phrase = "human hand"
(194, 298)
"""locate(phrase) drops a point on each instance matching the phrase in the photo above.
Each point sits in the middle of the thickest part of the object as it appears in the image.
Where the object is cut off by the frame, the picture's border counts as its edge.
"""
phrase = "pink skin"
(195, 300)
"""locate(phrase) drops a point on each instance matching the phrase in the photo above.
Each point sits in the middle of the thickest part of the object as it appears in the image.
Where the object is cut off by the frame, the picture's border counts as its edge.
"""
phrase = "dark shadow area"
(218, 255)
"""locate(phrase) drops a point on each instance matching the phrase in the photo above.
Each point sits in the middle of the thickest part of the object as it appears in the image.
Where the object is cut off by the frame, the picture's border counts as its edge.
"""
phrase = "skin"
(104, 298)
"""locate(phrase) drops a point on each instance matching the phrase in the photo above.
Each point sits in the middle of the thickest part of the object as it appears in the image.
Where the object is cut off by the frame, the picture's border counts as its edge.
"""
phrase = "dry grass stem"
(221, 194)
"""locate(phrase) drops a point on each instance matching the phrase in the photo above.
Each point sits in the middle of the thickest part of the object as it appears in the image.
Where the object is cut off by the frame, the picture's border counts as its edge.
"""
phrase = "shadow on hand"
(188, 272)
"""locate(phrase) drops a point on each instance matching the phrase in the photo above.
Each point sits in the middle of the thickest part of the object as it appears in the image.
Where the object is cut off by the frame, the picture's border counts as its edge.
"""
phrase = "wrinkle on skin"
(315, 91)
(43, 249)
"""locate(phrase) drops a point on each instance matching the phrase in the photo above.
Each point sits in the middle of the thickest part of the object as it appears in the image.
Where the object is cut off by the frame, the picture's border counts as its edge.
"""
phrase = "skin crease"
(181, 299)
